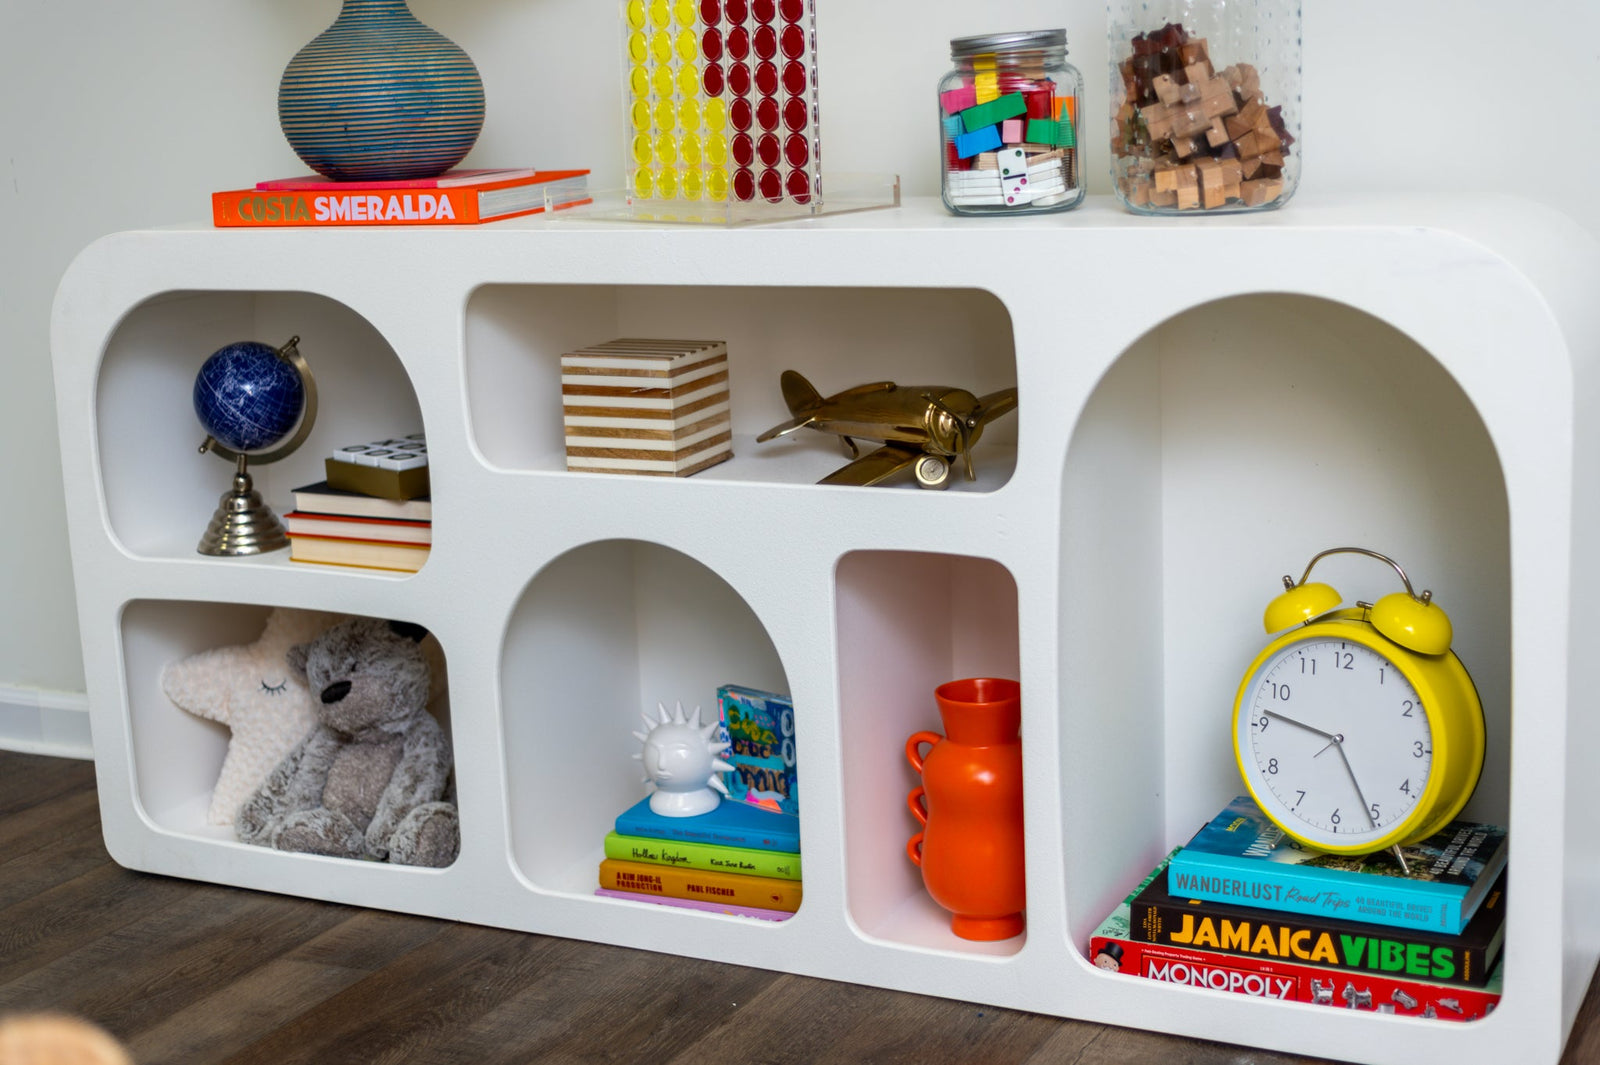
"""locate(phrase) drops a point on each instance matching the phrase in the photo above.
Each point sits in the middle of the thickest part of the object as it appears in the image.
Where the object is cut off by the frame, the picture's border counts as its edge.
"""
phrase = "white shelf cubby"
(1204, 404)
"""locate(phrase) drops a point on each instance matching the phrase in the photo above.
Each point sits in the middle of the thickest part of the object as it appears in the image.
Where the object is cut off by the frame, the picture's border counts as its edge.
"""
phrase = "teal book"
(1241, 857)
(731, 824)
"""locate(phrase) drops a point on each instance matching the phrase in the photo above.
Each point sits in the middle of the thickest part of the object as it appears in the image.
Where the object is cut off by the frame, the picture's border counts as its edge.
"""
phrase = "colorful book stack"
(458, 197)
(655, 407)
(1242, 908)
(743, 858)
(371, 512)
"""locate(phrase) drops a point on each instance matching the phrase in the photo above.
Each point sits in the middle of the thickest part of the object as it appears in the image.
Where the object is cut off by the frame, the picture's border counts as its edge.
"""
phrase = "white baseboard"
(37, 721)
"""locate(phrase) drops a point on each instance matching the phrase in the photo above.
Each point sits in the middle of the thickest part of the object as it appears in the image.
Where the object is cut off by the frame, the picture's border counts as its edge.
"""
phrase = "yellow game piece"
(716, 149)
(639, 81)
(684, 12)
(660, 13)
(642, 149)
(691, 183)
(689, 81)
(640, 114)
(689, 114)
(666, 115)
(638, 47)
(666, 149)
(661, 46)
(716, 115)
(662, 80)
(636, 14)
(688, 46)
(689, 148)
(666, 184)
(717, 185)
(642, 185)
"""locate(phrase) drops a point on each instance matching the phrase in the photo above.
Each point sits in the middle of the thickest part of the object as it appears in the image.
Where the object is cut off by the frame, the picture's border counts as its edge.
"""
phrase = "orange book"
(353, 203)
(706, 885)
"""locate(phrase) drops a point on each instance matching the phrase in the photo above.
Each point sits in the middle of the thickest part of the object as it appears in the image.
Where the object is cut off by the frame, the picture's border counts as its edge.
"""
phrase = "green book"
(711, 856)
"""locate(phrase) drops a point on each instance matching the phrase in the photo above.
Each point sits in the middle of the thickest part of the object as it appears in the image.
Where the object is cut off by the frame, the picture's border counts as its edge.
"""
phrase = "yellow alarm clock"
(1358, 730)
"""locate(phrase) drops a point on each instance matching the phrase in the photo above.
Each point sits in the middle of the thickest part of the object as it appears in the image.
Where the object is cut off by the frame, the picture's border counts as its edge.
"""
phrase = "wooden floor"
(193, 973)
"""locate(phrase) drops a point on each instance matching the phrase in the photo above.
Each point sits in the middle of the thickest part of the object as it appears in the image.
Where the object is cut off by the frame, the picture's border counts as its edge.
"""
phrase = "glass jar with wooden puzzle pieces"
(1205, 104)
(1008, 125)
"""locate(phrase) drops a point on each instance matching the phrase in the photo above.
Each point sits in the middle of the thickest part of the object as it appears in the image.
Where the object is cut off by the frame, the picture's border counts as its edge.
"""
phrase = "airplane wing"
(876, 466)
(785, 428)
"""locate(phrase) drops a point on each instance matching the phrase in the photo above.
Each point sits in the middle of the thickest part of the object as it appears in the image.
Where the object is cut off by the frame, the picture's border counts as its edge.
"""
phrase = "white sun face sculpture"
(680, 759)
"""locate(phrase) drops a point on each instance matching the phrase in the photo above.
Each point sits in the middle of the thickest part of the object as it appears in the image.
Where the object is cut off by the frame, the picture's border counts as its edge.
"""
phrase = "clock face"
(1335, 741)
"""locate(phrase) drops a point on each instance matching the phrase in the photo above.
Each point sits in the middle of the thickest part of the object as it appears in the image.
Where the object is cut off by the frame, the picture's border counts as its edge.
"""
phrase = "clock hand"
(1366, 807)
(1302, 724)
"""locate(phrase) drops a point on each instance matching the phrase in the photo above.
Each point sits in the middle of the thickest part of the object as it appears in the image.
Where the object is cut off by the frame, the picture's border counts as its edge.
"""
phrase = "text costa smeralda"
(1279, 894)
(350, 207)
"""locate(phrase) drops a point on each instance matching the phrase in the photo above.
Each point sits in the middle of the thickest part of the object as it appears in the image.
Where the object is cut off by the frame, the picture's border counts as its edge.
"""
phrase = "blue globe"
(247, 397)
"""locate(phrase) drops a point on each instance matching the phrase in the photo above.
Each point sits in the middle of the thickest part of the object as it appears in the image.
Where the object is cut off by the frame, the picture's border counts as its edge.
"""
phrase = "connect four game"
(721, 101)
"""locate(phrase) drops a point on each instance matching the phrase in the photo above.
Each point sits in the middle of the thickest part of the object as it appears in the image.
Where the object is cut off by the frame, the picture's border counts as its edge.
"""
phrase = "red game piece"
(795, 114)
(772, 185)
(767, 79)
(737, 10)
(792, 10)
(711, 45)
(739, 114)
(744, 152)
(744, 184)
(766, 42)
(797, 150)
(768, 150)
(799, 185)
(739, 43)
(711, 79)
(739, 79)
(710, 11)
(764, 10)
(767, 113)
(793, 42)
(794, 78)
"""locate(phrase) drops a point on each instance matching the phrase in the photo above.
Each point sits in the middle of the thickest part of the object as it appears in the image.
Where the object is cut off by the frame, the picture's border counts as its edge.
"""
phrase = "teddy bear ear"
(410, 630)
(296, 657)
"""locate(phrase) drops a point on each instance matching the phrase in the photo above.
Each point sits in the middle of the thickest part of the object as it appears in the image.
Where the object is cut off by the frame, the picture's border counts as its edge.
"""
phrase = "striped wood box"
(657, 407)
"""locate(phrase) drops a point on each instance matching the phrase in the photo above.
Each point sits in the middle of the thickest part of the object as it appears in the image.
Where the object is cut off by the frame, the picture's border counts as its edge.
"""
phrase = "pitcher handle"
(918, 808)
(914, 849)
(917, 739)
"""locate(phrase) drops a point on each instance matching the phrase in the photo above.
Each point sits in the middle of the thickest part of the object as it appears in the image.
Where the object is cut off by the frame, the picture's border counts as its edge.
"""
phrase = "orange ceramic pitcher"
(970, 807)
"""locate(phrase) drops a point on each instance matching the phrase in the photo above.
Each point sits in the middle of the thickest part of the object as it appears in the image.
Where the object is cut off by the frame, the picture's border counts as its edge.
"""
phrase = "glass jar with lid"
(1205, 104)
(1008, 125)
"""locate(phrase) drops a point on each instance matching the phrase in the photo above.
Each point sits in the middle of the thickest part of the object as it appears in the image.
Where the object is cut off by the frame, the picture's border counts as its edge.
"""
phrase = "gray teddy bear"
(370, 780)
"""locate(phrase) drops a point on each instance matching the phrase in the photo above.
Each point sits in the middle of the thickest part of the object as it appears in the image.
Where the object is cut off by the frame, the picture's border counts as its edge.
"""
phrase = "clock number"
(1272, 766)
(1375, 814)
(1298, 801)
(1381, 671)
(1409, 706)
(1264, 722)
(1406, 787)
(1417, 750)
(1280, 692)
(1312, 670)
(1334, 817)
(1343, 660)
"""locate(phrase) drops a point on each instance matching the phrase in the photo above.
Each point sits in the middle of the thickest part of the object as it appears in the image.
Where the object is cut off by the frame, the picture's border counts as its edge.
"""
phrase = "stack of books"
(372, 511)
(742, 858)
(1242, 908)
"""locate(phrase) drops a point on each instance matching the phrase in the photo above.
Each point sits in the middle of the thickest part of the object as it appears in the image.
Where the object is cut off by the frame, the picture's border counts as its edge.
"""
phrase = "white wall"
(119, 115)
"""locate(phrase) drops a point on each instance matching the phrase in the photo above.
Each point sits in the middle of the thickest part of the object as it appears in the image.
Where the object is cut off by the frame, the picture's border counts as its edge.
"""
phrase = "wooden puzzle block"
(1188, 198)
(1166, 89)
(1217, 134)
(655, 407)
(1198, 72)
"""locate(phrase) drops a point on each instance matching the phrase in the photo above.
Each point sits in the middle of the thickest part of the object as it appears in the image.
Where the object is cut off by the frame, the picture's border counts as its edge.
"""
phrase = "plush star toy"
(251, 689)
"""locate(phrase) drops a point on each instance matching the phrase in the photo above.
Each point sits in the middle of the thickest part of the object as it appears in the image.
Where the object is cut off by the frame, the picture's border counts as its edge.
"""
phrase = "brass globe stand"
(243, 524)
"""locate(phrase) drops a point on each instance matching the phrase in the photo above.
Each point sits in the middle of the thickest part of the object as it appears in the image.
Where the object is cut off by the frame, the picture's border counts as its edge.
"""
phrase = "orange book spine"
(258, 209)
(703, 884)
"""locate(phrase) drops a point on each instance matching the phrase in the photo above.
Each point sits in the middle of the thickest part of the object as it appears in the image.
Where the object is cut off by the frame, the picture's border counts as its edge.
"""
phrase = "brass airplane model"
(924, 427)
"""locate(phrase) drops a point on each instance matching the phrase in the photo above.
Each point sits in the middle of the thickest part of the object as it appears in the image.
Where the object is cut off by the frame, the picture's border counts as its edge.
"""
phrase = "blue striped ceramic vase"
(378, 96)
